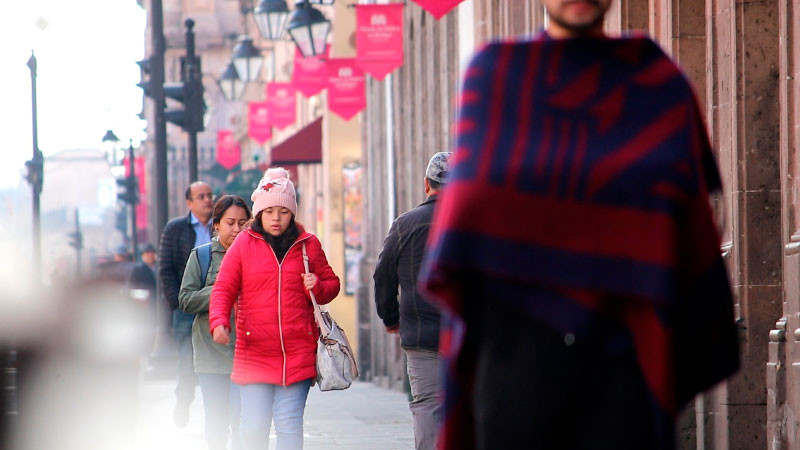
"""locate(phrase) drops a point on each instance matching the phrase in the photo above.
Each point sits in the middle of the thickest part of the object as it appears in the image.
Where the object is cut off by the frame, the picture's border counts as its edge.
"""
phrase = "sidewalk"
(364, 417)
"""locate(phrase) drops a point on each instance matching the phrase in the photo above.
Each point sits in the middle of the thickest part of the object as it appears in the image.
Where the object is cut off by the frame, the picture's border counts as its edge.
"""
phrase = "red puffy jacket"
(276, 335)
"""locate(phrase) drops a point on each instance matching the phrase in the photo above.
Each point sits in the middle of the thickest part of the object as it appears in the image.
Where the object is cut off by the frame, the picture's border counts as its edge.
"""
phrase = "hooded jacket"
(276, 333)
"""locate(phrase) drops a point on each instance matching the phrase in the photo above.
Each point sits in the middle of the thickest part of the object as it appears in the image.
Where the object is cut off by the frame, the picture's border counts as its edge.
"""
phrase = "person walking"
(416, 319)
(213, 362)
(179, 237)
(276, 335)
(574, 249)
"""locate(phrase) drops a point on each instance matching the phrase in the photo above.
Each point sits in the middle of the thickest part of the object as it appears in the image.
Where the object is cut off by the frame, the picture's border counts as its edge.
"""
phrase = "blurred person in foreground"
(212, 361)
(574, 248)
(179, 237)
(263, 273)
(413, 316)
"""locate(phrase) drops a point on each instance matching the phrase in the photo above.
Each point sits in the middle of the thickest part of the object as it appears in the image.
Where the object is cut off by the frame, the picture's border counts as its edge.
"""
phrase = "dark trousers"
(187, 379)
(534, 391)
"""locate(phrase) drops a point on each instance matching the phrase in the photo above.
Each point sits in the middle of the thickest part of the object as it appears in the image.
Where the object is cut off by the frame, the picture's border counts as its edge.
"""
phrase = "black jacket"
(177, 241)
(399, 264)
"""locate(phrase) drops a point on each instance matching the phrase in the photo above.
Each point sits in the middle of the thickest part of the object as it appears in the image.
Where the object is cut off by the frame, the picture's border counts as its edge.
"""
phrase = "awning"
(304, 147)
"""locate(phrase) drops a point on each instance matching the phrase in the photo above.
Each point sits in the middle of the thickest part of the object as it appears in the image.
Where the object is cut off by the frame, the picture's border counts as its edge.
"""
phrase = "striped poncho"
(583, 166)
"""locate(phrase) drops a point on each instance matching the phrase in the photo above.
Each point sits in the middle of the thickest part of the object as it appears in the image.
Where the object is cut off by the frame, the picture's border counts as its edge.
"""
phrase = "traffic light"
(128, 190)
(189, 92)
(75, 240)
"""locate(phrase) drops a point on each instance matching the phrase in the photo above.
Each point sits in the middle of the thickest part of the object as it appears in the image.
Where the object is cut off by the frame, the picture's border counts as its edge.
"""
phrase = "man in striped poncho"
(574, 249)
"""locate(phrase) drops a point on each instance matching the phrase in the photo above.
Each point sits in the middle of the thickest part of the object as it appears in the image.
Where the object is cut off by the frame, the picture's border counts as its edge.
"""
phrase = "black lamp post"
(271, 18)
(110, 141)
(309, 29)
(247, 59)
(230, 84)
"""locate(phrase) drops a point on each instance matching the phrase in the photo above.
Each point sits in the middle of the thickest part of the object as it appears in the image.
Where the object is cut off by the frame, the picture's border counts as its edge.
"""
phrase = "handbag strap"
(323, 326)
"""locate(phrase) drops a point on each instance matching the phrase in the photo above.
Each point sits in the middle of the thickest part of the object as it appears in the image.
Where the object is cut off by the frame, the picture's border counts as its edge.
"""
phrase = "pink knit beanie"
(275, 189)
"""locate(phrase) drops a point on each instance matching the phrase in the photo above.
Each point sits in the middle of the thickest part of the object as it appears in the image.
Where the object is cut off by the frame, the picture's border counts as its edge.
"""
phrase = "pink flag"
(438, 7)
(229, 153)
(282, 101)
(309, 75)
(346, 88)
(258, 125)
(379, 38)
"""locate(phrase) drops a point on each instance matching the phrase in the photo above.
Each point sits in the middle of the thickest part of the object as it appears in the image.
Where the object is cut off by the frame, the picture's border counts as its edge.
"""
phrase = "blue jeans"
(263, 403)
(221, 404)
(182, 332)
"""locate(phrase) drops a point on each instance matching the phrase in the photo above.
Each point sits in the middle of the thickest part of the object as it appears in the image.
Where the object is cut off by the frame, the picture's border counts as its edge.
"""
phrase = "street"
(364, 417)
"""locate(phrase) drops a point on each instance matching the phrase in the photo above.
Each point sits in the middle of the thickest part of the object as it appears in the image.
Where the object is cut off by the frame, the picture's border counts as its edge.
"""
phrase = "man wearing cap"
(414, 317)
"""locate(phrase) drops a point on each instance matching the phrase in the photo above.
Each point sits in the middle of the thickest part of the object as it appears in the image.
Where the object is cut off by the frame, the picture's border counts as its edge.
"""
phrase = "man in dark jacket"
(180, 236)
(416, 319)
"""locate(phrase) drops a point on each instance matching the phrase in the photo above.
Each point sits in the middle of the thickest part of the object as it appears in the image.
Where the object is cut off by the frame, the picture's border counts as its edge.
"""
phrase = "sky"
(86, 52)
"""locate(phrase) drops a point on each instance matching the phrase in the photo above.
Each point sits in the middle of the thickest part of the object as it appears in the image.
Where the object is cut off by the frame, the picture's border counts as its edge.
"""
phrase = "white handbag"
(336, 365)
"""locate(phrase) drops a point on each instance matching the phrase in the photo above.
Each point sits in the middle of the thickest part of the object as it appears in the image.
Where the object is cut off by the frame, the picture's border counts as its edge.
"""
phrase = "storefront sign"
(258, 124)
(309, 75)
(229, 153)
(282, 101)
(438, 7)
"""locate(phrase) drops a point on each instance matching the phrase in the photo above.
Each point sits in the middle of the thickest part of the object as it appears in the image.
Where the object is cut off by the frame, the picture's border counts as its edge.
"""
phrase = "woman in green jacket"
(213, 362)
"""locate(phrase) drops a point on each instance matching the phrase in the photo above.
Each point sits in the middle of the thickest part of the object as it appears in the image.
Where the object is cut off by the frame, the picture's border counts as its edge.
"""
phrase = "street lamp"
(230, 84)
(110, 141)
(247, 59)
(309, 29)
(271, 17)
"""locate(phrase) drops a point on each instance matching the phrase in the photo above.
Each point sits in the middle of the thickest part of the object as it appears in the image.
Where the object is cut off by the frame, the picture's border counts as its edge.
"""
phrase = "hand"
(394, 329)
(309, 280)
(221, 335)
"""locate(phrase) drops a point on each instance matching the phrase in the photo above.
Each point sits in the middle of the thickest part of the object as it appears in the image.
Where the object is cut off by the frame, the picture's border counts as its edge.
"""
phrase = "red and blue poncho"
(583, 168)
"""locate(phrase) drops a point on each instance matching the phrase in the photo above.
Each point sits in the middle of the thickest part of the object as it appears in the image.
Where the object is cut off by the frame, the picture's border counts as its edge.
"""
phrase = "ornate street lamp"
(247, 59)
(309, 29)
(271, 17)
(110, 141)
(230, 84)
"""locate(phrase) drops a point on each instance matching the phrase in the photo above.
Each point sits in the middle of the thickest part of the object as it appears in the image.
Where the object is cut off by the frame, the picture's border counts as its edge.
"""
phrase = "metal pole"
(79, 246)
(35, 177)
(191, 60)
(157, 86)
(134, 196)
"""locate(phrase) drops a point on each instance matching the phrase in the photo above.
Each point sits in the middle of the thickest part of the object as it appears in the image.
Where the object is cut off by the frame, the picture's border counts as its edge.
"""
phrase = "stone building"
(743, 58)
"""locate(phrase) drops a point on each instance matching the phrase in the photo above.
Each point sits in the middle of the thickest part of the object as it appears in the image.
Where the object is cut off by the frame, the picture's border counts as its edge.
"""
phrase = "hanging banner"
(438, 7)
(379, 38)
(229, 153)
(282, 101)
(259, 127)
(309, 75)
(141, 207)
(346, 89)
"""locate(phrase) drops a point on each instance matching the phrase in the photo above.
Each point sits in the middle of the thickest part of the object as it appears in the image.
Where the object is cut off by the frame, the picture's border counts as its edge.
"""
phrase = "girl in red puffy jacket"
(275, 353)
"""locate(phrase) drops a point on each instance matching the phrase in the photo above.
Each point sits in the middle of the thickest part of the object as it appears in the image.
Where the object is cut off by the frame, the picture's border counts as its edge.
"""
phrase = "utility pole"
(133, 186)
(35, 177)
(157, 94)
(193, 78)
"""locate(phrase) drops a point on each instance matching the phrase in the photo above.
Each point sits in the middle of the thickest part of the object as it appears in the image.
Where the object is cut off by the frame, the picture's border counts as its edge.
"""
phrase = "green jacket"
(209, 357)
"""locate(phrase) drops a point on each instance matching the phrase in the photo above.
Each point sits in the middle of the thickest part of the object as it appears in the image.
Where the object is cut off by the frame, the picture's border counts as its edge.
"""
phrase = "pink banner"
(438, 7)
(379, 38)
(309, 75)
(229, 153)
(141, 207)
(346, 88)
(282, 101)
(258, 124)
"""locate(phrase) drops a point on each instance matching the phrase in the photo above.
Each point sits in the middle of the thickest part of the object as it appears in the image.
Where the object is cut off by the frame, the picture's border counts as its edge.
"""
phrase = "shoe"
(180, 415)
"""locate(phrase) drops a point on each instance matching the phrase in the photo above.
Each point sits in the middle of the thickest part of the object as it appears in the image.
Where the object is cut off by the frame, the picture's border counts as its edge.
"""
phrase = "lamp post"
(35, 177)
(271, 18)
(133, 187)
(110, 141)
(309, 29)
(247, 59)
(230, 85)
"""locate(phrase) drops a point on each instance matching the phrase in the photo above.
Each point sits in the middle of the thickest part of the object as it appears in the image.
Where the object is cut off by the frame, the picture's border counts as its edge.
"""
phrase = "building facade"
(742, 58)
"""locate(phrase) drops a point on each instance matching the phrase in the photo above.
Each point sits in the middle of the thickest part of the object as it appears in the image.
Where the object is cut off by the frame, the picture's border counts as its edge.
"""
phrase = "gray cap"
(438, 167)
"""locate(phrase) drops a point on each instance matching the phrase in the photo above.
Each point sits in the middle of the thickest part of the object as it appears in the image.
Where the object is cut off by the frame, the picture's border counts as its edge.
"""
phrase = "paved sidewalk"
(364, 417)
